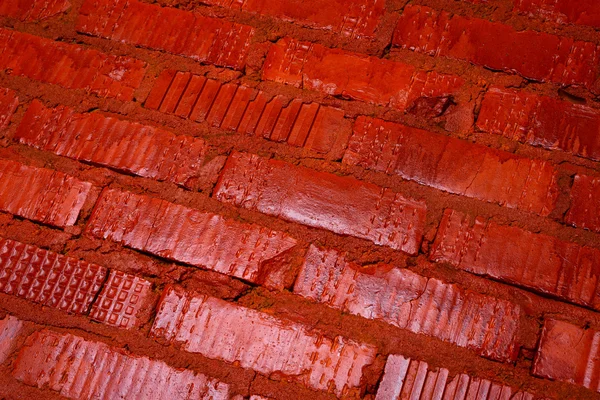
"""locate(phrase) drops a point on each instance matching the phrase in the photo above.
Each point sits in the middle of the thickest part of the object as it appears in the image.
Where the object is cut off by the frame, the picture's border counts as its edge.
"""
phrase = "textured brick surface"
(8, 105)
(69, 65)
(84, 369)
(31, 10)
(191, 236)
(185, 33)
(41, 194)
(342, 205)
(218, 329)
(584, 12)
(453, 165)
(585, 203)
(10, 327)
(410, 301)
(343, 73)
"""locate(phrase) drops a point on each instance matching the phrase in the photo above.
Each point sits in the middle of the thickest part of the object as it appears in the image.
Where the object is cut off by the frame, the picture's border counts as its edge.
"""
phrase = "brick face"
(409, 301)
(10, 327)
(33, 10)
(8, 105)
(453, 165)
(583, 12)
(585, 203)
(342, 205)
(185, 33)
(221, 330)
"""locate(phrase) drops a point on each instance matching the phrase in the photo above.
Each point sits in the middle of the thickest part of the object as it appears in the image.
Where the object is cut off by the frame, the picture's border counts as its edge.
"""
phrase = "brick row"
(191, 236)
(582, 12)
(252, 339)
(453, 165)
(69, 65)
(210, 40)
(342, 205)
(40, 194)
(8, 104)
(354, 76)
(33, 10)
(123, 145)
(585, 203)
(10, 327)
(409, 301)
(534, 55)
(82, 369)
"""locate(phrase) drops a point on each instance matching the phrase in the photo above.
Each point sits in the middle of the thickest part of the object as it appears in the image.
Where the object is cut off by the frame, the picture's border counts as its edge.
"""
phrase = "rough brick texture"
(32, 10)
(584, 12)
(10, 327)
(83, 369)
(453, 165)
(185, 33)
(218, 329)
(342, 205)
(585, 203)
(410, 301)
(8, 105)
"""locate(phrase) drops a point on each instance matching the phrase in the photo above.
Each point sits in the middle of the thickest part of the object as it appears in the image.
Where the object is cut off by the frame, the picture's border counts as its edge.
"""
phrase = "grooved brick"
(211, 40)
(453, 165)
(123, 145)
(33, 10)
(342, 205)
(409, 301)
(40, 194)
(48, 278)
(8, 104)
(191, 236)
(249, 111)
(534, 55)
(354, 76)
(353, 18)
(585, 203)
(252, 339)
(84, 369)
(9, 330)
(70, 66)
(514, 255)
(583, 12)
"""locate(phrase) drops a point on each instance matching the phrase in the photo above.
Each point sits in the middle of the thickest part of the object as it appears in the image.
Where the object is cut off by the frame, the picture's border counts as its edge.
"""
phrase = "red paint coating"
(33, 10)
(8, 104)
(585, 203)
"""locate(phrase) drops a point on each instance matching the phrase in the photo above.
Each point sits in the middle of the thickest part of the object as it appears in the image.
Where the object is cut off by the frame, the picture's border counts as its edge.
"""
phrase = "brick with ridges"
(33, 10)
(342, 73)
(10, 327)
(41, 194)
(210, 40)
(453, 165)
(409, 301)
(70, 66)
(48, 278)
(84, 369)
(221, 330)
(8, 104)
(191, 236)
(585, 203)
(534, 55)
(119, 144)
(582, 12)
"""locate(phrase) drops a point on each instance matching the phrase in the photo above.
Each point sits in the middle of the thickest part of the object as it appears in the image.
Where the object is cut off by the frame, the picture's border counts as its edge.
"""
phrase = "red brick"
(585, 203)
(210, 40)
(70, 66)
(122, 297)
(532, 260)
(84, 369)
(252, 339)
(583, 12)
(33, 10)
(10, 327)
(123, 145)
(48, 278)
(354, 18)
(40, 194)
(342, 205)
(191, 236)
(569, 353)
(409, 301)
(453, 165)
(534, 55)
(354, 76)
(8, 104)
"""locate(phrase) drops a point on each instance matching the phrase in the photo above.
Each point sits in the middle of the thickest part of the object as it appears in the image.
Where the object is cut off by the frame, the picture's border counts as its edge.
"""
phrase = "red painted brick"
(534, 55)
(41, 194)
(191, 236)
(453, 165)
(122, 297)
(583, 12)
(210, 40)
(69, 66)
(33, 10)
(48, 278)
(249, 111)
(569, 353)
(252, 339)
(354, 18)
(8, 104)
(585, 203)
(409, 301)
(354, 76)
(84, 369)
(536, 261)
(10, 327)
(342, 205)
(123, 145)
